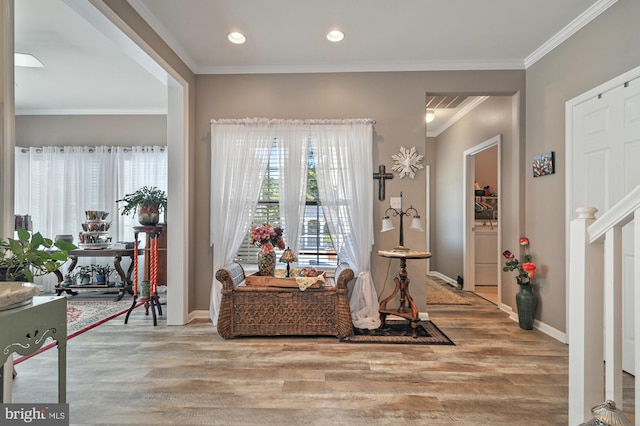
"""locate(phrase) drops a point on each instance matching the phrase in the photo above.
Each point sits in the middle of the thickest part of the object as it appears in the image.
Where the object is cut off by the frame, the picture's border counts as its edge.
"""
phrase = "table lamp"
(287, 257)
(387, 225)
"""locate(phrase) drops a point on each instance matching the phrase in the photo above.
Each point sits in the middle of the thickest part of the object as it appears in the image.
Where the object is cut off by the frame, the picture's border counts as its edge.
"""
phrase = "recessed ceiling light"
(236, 38)
(26, 60)
(335, 35)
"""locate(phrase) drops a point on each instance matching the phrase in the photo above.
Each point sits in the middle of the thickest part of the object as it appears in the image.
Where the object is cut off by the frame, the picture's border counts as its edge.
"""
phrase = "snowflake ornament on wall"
(407, 162)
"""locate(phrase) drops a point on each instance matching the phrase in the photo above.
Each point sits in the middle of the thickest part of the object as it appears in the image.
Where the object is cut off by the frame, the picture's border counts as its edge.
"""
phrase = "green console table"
(26, 328)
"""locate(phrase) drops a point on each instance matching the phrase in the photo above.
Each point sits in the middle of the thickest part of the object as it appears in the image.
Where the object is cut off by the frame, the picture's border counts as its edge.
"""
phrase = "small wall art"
(544, 164)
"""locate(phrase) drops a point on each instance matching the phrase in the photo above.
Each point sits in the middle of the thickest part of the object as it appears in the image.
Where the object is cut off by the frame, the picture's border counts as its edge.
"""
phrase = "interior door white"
(606, 149)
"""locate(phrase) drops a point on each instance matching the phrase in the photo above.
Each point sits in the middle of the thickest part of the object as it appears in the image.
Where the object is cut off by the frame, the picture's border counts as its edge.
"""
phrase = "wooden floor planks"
(123, 374)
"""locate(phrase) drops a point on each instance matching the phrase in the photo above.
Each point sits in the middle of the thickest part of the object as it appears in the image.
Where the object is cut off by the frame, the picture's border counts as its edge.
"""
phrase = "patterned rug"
(85, 314)
(441, 293)
(400, 332)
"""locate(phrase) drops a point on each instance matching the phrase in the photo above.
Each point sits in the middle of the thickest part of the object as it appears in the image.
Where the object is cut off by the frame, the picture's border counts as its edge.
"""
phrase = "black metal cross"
(382, 177)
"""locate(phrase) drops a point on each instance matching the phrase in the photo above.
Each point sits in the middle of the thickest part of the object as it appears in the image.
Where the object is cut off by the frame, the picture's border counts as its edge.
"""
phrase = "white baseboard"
(543, 327)
(540, 326)
(202, 314)
(445, 278)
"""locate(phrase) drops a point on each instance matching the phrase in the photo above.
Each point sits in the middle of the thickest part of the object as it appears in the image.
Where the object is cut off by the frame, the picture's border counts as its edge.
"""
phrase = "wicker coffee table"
(277, 311)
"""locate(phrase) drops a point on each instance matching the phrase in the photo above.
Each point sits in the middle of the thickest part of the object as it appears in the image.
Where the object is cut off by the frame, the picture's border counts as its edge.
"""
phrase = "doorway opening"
(481, 201)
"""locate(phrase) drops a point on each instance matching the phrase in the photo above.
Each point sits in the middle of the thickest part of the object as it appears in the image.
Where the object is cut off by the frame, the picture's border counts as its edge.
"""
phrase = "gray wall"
(91, 130)
(492, 117)
(606, 48)
(394, 99)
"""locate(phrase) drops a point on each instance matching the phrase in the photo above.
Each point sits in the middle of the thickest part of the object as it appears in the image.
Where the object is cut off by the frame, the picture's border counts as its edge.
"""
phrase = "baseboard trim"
(198, 315)
(445, 278)
(541, 326)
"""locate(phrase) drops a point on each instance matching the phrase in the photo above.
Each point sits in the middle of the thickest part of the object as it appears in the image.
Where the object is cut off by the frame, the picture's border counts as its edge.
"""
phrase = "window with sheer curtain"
(56, 185)
(342, 153)
(315, 246)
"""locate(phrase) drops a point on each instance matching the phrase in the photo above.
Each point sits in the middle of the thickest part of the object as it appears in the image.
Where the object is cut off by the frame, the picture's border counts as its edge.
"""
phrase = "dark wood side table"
(153, 301)
(407, 308)
(25, 329)
(116, 254)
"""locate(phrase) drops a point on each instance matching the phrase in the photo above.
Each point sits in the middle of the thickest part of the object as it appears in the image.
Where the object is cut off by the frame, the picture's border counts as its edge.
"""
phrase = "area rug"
(439, 294)
(85, 314)
(400, 332)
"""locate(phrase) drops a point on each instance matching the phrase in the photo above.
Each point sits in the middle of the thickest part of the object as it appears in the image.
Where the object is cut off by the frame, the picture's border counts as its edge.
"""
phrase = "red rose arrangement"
(526, 269)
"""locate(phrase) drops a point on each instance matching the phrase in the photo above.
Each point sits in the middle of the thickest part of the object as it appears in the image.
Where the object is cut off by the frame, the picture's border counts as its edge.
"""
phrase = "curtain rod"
(91, 149)
(274, 121)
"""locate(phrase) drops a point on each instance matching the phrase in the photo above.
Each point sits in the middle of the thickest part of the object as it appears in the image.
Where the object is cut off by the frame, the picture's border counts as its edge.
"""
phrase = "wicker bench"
(275, 311)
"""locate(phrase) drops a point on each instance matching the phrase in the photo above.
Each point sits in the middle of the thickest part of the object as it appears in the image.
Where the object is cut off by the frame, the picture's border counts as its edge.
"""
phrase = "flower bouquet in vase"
(526, 301)
(267, 238)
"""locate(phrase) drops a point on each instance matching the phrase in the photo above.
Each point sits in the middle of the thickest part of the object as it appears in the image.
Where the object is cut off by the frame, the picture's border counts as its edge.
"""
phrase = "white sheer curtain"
(240, 150)
(293, 161)
(56, 185)
(343, 165)
(239, 157)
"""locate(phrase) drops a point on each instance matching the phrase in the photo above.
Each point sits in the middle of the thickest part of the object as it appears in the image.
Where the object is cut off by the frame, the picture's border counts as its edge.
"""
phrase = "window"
(316, 247)
(56, 185)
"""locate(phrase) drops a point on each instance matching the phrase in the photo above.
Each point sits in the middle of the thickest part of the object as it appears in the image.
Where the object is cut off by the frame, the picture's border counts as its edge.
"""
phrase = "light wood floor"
(489, 292)
(122, 374)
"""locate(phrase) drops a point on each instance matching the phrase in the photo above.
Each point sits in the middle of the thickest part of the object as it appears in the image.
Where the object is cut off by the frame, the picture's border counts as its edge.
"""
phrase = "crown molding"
(164, 34)
(388, 67)
(574, 26)
(585, 18)
(70, 111)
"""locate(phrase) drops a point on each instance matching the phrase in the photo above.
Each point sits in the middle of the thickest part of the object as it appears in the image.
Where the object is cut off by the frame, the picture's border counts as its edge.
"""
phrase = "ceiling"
(86, 73)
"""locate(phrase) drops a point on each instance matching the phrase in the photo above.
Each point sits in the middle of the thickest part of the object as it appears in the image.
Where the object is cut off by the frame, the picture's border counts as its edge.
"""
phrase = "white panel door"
(606, 167)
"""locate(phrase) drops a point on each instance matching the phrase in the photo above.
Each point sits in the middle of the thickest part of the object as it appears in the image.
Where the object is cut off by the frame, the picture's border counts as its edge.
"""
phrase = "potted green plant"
(31, 255)
(102, 273)
(83, 275)
(148, 202)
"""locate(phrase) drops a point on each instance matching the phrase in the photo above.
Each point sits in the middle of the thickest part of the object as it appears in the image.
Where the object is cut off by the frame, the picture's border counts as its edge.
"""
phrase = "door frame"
(570, 214)
(468, 213)
(427, 215)
(98, 14)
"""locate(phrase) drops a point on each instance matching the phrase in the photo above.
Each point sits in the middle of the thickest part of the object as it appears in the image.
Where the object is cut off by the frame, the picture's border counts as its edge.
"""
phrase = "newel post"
(586, 314)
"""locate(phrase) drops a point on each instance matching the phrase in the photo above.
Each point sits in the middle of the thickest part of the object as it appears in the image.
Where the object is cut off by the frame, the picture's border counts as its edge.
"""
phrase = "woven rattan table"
(275, 311)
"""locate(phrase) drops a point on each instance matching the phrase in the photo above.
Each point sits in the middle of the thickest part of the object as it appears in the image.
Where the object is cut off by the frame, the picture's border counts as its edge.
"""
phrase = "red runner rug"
(85, 314)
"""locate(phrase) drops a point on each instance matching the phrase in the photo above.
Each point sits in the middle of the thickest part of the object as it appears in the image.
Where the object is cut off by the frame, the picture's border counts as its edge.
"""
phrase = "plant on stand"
(526, 301)
(267, 238)
(148, 202)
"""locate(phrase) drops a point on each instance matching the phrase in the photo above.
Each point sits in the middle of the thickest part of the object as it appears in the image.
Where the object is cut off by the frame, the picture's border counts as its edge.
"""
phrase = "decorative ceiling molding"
(462, 65)
(589, 15)
(109, 111)
(396, 66)
(164, 34)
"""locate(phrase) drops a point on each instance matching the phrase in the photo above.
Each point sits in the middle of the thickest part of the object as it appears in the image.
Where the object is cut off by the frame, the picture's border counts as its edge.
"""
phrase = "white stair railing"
(595, 305)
